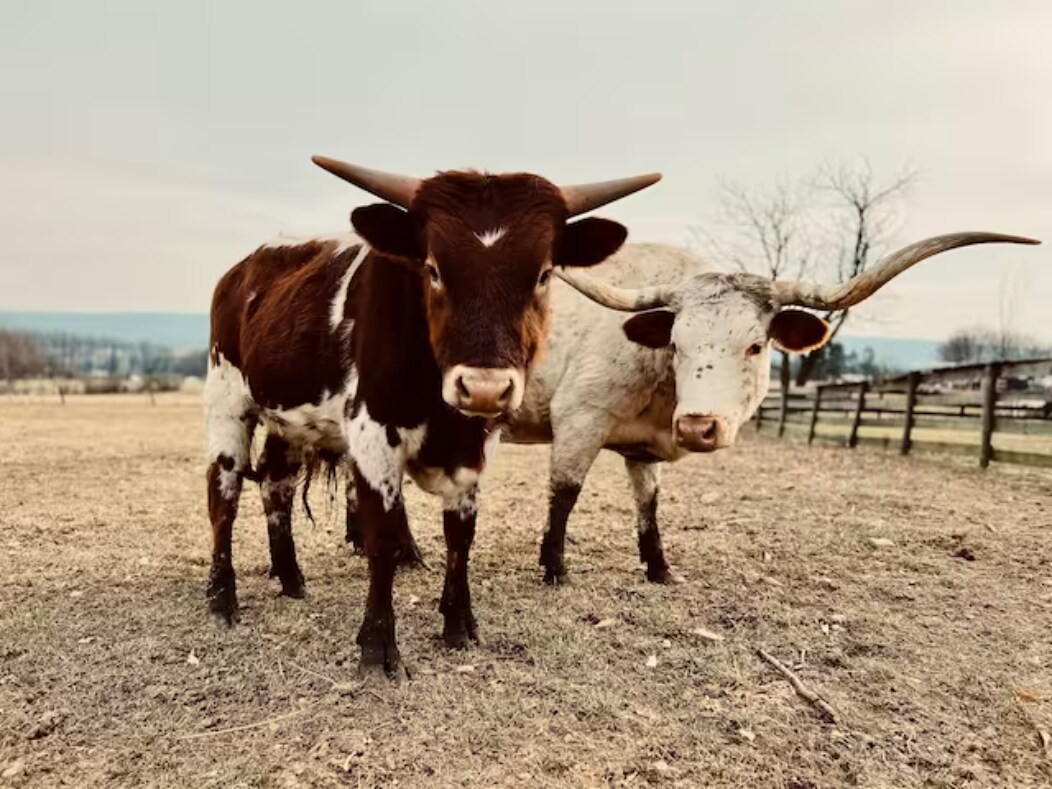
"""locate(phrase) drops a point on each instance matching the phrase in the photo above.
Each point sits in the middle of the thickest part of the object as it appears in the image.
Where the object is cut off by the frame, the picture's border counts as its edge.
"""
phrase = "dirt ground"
(935, 650)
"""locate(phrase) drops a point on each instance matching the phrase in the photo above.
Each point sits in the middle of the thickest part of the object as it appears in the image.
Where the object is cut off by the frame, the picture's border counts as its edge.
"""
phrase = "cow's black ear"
(651, 329)
(388, 229)
(589, 241)
(797, 331)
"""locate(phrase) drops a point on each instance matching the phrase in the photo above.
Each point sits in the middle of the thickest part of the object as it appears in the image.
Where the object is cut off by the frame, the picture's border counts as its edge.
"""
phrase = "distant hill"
(894, 352)
(178, 331)
(189, 331)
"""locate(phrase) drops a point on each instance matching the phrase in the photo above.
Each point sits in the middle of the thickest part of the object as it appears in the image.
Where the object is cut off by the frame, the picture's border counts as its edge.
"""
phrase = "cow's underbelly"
(321, 426)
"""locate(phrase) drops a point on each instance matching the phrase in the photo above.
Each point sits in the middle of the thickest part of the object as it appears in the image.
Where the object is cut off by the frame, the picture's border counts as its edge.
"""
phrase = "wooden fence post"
(852, 440)
(783, 414)
(814, 415)
(912, 380)
(986, 448)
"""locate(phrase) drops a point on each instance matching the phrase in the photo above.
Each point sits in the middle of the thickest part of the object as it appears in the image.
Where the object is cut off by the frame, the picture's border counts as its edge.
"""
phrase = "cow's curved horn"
(585, 197)
(625, 299)
(394, 188)
(861, 287)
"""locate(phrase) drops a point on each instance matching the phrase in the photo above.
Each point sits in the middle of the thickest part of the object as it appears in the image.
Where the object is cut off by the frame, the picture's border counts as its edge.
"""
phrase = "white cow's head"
(721, 327)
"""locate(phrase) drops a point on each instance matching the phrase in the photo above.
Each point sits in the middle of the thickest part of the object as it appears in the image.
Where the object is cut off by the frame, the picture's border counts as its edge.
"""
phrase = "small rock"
(193, 659)
(661, 766)
(747, 734)
(965, 553)
(652, 661)
(666, 644)
(86, 640)
(881, 542)
(710, 498)
(708, 635)
(47, 724)
(837, 619)
(413, 599)
(602, 624)
(465, 669)
(14, 769)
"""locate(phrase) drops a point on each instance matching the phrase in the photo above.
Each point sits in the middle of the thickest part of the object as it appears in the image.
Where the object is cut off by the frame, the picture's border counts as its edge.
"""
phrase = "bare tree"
(20, 356)
(863, 212)
(962, 347)
(764, 232)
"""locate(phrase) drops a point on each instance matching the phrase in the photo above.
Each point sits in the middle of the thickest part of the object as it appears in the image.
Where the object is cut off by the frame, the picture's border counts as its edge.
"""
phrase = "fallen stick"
(801, 689)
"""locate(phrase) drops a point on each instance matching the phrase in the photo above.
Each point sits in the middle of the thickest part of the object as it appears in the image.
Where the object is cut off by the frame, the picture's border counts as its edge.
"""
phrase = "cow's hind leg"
(229, 425)
(573, 453)
(458, 523)
(646, 479)
(278, 471)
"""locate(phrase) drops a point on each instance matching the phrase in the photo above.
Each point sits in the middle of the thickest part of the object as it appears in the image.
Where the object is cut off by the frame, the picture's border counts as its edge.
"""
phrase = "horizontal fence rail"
(985, 411)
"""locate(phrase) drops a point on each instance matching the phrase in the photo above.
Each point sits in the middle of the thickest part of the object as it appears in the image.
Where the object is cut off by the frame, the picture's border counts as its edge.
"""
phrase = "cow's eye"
(754, 350)
(543, 280)
(432, 272)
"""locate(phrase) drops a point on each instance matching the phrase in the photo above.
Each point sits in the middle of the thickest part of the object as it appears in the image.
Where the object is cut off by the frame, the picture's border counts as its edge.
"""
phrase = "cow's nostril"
(462, 388)
(709, 431)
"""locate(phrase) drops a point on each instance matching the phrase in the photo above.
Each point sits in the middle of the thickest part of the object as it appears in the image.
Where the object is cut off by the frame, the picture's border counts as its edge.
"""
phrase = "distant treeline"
(65, 355)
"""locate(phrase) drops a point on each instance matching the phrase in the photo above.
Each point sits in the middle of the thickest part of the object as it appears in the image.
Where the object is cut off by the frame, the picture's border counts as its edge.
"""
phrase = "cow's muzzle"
(483, 391)
(697, 433)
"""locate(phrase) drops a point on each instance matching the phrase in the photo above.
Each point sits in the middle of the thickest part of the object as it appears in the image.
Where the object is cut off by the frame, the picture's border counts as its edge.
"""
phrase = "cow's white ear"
(387, 229)
(797, 331)
(650, 329)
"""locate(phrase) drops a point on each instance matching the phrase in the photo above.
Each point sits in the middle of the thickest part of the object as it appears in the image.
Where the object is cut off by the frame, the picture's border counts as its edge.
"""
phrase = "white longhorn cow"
(680, 376)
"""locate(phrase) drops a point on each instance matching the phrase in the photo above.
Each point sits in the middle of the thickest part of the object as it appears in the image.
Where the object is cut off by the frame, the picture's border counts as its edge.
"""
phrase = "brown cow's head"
(485, 246)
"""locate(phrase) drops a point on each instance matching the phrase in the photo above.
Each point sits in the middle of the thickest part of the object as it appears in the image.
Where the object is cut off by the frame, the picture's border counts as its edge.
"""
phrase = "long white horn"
(861, 287)
(394, 188)
(625, 299)
(585, 197)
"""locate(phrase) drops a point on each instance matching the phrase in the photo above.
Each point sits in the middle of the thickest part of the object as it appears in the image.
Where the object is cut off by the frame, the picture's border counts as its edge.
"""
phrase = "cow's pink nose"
(699, 433)
(483, 391)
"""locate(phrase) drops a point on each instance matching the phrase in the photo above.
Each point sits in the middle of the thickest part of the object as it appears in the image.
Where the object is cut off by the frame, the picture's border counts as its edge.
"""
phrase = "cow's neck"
(399, 378)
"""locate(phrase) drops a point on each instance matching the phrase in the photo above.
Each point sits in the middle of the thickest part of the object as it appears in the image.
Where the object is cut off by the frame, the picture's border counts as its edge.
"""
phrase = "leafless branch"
(801, 689)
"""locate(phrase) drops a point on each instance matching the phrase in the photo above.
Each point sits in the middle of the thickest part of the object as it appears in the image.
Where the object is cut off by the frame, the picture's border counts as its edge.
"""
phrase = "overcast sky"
(146, 147)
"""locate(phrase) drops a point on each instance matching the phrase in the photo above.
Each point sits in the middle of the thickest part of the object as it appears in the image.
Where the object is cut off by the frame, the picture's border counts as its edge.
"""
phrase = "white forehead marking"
(491, 237)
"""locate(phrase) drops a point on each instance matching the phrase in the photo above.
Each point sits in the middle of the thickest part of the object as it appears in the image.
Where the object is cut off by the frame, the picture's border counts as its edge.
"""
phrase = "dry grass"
(939, 668)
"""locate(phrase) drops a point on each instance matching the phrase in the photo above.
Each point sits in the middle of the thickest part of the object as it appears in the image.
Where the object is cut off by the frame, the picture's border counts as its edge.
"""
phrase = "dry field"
(935, 650)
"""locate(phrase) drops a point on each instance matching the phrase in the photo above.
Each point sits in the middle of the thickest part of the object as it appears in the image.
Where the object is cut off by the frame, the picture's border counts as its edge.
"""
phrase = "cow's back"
(272, 319)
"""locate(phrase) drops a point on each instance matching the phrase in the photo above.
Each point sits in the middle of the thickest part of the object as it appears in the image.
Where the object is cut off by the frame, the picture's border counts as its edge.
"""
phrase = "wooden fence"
(990, 411)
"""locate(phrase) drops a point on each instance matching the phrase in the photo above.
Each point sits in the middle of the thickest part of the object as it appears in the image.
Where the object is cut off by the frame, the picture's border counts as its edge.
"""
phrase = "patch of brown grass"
(940, 668)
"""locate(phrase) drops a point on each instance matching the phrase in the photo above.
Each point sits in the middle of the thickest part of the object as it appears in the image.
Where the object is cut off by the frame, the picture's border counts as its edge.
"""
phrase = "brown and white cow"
(681, 376)
(396, 351)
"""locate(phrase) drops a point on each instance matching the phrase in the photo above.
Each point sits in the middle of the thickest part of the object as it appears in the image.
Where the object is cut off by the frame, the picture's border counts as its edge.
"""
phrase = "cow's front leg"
(278, 469)
(409, 554)
(458, 523)
(573, 453)
(646, 482)
(383, 519)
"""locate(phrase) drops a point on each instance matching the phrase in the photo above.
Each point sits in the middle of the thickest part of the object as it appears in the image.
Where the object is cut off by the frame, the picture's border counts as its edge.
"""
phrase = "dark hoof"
(664, 575)
(292, 584)
(556, 576)
(223, 605)
(381, 675)
(461, 632)
(297, 591)
(382, 662)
